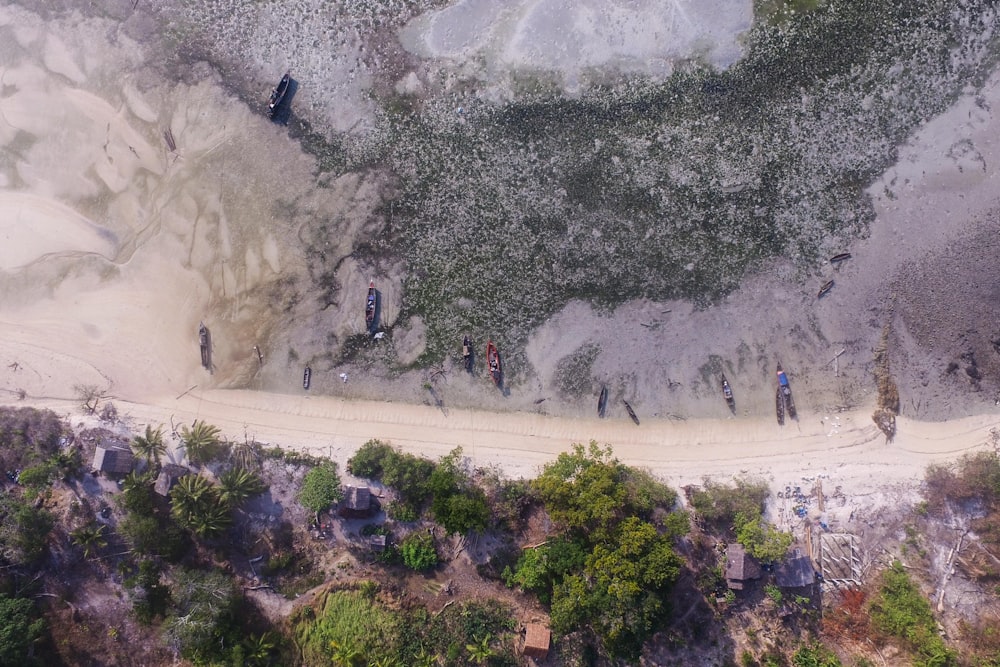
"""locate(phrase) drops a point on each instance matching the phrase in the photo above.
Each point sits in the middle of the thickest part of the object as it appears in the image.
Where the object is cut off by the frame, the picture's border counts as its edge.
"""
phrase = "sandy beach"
(113, 248)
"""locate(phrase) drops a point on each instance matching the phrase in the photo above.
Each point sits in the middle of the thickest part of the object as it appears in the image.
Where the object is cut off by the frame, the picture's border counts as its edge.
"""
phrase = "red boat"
(370, 306)
(493, 360)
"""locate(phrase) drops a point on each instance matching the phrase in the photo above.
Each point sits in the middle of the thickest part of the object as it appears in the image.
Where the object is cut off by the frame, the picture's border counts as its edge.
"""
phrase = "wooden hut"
(357, 502)
(169, 475)
(740, 567)
(796, 571)
(537, 638)
(113, 459)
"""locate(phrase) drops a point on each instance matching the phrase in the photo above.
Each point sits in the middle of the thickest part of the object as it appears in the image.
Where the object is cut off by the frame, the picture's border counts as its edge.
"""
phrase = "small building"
(112, 459)
(169, 475)
(536, 641)
(357, 501)
(377, 543)
(796, 571)
(740, 567)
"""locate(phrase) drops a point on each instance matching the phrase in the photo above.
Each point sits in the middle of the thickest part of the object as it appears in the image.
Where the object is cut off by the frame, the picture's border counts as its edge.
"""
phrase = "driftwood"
(446, 605)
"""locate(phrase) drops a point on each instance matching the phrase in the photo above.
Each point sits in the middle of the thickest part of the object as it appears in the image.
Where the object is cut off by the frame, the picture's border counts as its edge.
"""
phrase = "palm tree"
(259, 649)
(481, 652)
(246, 454)
(211, 520)
(424, 659)
(201, 441)
(345, 654)
(238, 484)
(150, 446)
(383, 662)
(90, 538)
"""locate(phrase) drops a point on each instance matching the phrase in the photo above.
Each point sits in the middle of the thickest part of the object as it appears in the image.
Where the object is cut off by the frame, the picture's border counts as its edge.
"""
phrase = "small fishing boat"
(842, 257)
(370, 304)
(785, 391)
(727, 391)
(827, 286)
(779, 406)
(467, 353)
(307, 375)
(493, 361)
(279, 92)
(631, 412)
(205, 343)
(602, 402)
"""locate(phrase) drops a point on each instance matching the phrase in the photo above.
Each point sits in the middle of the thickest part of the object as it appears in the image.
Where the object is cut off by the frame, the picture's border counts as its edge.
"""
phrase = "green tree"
(19, 630)
(900, 610)
(480, 652)
(259, 649)
(237, 485)
(369, 460)
(90, 538)
(200, 624)
(762, 540)
(196, 505)
(24, 531)
(321, 487)
(418, 552)
(150, 446)
(201, 442)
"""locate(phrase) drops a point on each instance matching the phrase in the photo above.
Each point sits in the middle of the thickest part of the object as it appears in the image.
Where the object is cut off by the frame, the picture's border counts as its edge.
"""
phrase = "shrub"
(321, 487)
(418, 552)
(900, 610)
(815, 655)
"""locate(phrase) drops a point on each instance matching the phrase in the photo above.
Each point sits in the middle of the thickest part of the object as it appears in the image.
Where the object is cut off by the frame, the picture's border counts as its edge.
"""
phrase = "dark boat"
(827, 286)
(631, 412)
(844, 256)
(205, 343)
(278, 94)
(493, 361)
(727, 391)
(785, 391)
(467, 353)
(370, 306)
(602, 402)
(307, 375)
(779, 406)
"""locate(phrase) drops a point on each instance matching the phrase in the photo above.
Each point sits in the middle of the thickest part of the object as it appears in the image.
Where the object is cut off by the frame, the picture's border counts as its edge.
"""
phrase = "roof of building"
(740, 566)
(168, 477)
(113, 459)
(796, 571)
(536, 640)
(358, 498)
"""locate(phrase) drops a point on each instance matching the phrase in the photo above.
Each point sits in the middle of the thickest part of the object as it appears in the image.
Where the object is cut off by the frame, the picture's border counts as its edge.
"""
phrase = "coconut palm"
(238, 484)
(90, 538)
(246, 454)
(481, 652)
(195, 504)
(424, 659)
(150, 446)
(259, 649)
(345, 654)
(201, 442)
(210, 520)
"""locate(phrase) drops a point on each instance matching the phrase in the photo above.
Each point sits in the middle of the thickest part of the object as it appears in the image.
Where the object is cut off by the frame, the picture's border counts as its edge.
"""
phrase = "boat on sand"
(493, 362)
(727, 392)
(785, 391)
(370, 304)
(307, 377)
(279, 92)
(602, 402)
(467, 353)
(631, 412)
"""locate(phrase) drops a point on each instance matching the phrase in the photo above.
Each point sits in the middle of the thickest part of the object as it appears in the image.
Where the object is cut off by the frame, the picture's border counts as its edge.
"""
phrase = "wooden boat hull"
(467, 357)
(493, 363)
(631, 412)
(779, 406)
(205, 343)
(371, 305)
(279, 92)
(602, 403)
(307, 378)
(825, 289)
(842, 257)
(727, 393)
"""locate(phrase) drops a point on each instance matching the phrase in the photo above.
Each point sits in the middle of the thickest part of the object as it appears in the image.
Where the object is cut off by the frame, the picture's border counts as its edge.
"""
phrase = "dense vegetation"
(736, 510)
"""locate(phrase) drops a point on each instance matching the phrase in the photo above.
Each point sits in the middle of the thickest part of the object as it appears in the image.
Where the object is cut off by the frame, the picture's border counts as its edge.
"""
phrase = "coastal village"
(416, 245)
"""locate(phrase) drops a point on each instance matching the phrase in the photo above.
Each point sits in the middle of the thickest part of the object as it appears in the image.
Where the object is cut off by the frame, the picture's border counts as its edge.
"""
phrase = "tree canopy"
(321, 487)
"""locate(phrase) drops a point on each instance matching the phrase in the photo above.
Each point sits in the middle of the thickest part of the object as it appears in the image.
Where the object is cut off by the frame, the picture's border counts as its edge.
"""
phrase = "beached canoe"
(842, 257)
(825, 289)
(779, 406)
(631, 412)
(727, 392)
(205, 343)
(279, 92)
(370, 305)
(602, 402)
(493, 361)
(785, 391)
(307, 375)
(467, 353)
